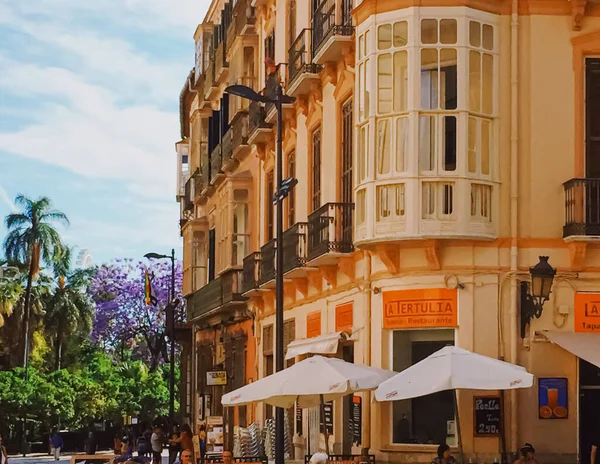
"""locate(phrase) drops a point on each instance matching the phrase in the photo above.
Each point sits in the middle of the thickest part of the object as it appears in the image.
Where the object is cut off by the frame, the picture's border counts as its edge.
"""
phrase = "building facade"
(440, 147)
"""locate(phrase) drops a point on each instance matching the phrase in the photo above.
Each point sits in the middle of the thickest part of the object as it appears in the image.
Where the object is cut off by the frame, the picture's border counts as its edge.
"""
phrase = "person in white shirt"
(3, 453)
(157, 445)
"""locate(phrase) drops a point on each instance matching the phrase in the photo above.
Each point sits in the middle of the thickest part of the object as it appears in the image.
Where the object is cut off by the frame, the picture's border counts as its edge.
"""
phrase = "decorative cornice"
(577, 12)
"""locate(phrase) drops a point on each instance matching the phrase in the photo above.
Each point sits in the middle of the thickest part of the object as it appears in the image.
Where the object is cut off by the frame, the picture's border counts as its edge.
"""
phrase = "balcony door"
(592, 142)
(346, 186)
(211, 254)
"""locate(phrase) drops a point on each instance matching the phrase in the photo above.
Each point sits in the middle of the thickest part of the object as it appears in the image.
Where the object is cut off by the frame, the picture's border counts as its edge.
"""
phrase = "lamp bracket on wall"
(529, 308)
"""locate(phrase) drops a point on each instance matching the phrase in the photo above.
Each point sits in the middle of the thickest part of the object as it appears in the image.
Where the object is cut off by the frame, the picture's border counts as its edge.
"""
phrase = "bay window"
(426, 146)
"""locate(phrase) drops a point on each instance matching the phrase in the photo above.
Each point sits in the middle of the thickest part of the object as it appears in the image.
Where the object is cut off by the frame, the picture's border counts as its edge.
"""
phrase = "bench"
(91, 457)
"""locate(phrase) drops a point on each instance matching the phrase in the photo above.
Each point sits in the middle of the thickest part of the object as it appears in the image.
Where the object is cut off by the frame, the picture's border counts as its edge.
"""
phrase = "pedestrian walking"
(142, 445)
(174, 443)
(57, 444)
(3, 453)
(157, 445)
(443, 455)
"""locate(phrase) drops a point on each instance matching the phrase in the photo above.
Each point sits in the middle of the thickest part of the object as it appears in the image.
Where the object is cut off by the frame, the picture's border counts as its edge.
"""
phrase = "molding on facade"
(329, 273)
(432, 254)
(301, 285)
(289, 291)
(389, 254)
(347, 266)
(316, 280)
(577, 252)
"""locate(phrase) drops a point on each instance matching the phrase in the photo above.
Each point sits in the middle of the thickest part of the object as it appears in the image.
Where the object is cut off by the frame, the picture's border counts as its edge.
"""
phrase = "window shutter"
(289, 332)
(268, 339)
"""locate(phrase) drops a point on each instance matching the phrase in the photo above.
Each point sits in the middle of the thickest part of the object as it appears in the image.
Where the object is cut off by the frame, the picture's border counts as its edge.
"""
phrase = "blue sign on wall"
(553, 398)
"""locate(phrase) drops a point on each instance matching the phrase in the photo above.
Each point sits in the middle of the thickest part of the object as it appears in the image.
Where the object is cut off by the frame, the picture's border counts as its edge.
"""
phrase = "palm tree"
(11, 290)
(31, 239)
(70, 311)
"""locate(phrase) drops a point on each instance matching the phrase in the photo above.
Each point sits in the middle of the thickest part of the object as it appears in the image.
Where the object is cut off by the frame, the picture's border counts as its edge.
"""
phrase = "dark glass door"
(211, 255)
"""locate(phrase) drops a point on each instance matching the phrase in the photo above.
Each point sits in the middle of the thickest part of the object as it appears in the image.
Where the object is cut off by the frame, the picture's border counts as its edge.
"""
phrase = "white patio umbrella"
(452, 368)
(311, 382)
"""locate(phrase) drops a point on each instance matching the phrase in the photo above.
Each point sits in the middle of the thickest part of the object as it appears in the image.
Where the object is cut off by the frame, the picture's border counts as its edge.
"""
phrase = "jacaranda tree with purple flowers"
(123, 321)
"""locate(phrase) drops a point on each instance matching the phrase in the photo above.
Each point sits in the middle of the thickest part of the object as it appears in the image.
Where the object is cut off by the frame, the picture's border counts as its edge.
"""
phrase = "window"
(291, 200)
(291, 22)
(316, 169)
(481, 202)
(363, 152)
(437, 200)
(347, 133)
(360, 207)
(390, 202)
(392, 68)
(269, 206)
(420, 420)
(199, 260)
(240, 244)
(269, 361)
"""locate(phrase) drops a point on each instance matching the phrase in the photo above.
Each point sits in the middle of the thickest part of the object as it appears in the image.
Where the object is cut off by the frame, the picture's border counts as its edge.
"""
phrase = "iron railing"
(299, 57)
(257, 117)
(267, 262)
(221, 58)
(330, 230)
(239, 130)
(243, 18)
(273, 80)
(198, 182)
(251, 276)
(227, 146)
(188, 203)
(216, 161)
(294, 246)
(582, 207)
(219, 292)
(324, 23)
(209, 79)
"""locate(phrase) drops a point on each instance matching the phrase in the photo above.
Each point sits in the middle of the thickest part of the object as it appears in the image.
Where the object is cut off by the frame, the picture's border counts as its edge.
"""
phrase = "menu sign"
(216, 378)
(587, 312)
(327, 417)
(488, 416)
(356, 419)
(299, 424)
(412, 309)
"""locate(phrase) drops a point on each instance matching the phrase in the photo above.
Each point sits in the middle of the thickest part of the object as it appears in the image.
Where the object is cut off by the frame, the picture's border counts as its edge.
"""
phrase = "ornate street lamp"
(535, 295)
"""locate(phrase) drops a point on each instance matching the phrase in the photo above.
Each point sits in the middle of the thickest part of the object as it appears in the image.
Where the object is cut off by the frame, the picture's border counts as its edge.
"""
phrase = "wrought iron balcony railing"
(239, 132)
(267, 262)
(222, 291)
(300, 57)
(582, 207)
(243, 21)
(324, 22)
(257, 118)
(216, 162)
(294, 246)
(330, 230)
(251, 272)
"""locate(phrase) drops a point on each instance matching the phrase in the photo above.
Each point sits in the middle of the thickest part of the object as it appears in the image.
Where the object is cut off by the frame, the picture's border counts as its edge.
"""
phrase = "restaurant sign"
(587, 312)
(216, 378)
(422, 308)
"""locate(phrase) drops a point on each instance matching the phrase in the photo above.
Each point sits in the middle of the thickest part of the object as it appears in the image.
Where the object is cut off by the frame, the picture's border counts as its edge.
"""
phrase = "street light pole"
(283, 189)
(172, 337)
(170, 328)
(279, 348)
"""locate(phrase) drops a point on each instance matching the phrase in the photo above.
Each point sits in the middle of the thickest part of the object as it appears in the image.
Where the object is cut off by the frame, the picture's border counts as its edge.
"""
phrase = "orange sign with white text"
(423, 308)
(587, 312)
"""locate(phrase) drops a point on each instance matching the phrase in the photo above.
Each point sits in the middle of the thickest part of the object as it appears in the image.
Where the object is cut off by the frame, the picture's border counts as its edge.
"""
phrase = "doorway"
(589, 408)
(347, 419)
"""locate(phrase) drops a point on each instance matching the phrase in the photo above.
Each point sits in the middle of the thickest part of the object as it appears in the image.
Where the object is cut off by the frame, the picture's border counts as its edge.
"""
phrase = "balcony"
(582, 209)
(221, 293)
(251, 273)
(229, 163)
(330, 233)
(329, 36)
(210, 88)
(239, 130)
(221, 64)
(301, 70)
(242, 23)
(259, 130)
(198, 185)
(216, 163)
(295, 249)
(267, 264)
(278, 76)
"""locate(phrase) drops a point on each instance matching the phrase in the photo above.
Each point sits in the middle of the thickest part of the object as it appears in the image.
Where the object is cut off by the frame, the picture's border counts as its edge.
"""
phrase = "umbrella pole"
(325, 432)
(458, 434)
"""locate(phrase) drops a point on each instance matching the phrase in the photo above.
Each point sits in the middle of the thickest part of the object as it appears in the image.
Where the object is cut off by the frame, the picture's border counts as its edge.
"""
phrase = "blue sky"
(89, 96)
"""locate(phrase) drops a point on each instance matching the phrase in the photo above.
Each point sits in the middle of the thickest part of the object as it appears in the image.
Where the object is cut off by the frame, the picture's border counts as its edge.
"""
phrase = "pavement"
(38, 458)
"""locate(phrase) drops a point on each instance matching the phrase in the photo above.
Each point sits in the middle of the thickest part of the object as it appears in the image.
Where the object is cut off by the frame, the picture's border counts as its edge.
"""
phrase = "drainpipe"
(366, 438)
(514, 197)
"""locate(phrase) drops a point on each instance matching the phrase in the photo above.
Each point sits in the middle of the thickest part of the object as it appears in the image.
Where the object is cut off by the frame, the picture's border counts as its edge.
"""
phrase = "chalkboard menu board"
(488, 416)
(299, 426)
(327, 417)
(356, 419)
